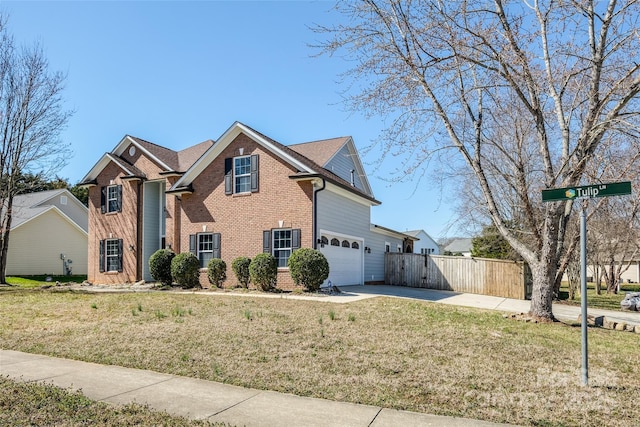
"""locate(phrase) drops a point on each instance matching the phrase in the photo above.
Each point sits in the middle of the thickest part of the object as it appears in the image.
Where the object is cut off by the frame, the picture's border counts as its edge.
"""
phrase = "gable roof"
(27, 207)
(306, 167)
(167, 160)
(322, 151)
(459, 245)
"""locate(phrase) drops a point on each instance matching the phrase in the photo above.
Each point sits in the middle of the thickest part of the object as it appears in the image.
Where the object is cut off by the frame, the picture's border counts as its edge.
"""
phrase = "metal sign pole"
(583, 292)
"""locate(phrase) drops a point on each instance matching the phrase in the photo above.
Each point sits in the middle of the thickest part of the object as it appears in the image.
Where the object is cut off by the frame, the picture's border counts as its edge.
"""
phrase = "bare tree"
(454, 74)
(31, 119)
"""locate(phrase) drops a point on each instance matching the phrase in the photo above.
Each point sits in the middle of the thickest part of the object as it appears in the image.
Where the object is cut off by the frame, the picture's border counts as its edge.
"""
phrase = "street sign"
(587, 191)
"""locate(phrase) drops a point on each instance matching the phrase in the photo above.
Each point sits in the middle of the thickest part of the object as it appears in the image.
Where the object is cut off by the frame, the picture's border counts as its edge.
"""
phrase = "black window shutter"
(254, 173)
(119, 198)
(266, 241)
(295, 239)
(120, 255)
(216, 245)
(193, 244)
(101, 256)
(103, 199)
(228, 175)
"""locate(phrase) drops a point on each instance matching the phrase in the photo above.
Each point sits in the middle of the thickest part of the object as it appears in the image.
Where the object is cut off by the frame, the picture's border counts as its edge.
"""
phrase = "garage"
(345, 256)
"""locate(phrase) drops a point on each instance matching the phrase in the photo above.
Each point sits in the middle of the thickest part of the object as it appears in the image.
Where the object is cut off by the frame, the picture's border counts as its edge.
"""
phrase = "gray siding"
(374, 262)
(342, 165)
(341, 215)
(152, 209)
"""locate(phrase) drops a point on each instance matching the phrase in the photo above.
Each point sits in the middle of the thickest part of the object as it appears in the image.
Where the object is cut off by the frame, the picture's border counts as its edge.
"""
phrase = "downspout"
(315, 212)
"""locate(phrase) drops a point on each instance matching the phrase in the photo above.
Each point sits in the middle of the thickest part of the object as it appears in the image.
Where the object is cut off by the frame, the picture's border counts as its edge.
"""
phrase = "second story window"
(242, 174)
(111, 199)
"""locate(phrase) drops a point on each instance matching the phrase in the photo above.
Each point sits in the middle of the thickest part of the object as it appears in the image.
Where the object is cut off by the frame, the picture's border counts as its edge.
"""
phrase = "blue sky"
(178, 73)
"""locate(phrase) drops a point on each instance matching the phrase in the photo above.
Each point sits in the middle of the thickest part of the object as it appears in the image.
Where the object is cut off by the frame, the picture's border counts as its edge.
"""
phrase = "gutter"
(315, 213)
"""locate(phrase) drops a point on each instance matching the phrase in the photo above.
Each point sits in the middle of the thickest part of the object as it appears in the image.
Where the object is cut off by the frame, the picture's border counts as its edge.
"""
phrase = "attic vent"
(353, 182)
(63, 200)
(132, 150)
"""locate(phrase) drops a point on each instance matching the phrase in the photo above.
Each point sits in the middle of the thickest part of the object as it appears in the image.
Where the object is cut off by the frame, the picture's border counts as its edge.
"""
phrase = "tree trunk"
(543, 275)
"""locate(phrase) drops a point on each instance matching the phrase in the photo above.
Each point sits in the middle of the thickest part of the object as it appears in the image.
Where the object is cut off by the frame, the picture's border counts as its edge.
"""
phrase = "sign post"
(585, 192)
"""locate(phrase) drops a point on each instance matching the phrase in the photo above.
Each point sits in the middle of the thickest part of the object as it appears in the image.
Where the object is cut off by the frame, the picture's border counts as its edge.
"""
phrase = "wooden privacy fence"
(508, 279)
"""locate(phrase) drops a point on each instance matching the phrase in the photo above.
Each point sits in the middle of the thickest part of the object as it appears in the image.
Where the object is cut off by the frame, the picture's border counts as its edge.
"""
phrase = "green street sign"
(587, 191)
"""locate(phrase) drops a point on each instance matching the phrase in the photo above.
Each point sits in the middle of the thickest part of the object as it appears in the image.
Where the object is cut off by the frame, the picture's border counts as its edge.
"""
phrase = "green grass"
(40, 280)
(604, 300)
(401, 354)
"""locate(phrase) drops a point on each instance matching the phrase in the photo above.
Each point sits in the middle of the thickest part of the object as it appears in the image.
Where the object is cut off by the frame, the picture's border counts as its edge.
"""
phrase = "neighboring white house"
(426, 245)
(49, 232)
(459, 246)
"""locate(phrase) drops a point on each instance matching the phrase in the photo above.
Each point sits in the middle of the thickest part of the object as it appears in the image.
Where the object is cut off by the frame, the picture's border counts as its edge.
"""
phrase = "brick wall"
(242, 218)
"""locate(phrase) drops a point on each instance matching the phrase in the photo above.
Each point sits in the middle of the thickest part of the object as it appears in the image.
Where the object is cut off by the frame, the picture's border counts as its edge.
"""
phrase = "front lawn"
(604, 300)
(43, 280)
(29, 404)
(389, 352)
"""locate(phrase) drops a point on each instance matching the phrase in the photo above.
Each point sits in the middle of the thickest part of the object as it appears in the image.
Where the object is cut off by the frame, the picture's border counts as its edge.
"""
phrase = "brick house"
(239, 196)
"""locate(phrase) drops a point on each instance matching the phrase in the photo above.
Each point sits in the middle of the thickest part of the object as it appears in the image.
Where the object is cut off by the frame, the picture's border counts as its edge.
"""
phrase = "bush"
(160, 266)
(263, 271)
(217, 272)
(240, 267)
(309, 268)
(185, 269)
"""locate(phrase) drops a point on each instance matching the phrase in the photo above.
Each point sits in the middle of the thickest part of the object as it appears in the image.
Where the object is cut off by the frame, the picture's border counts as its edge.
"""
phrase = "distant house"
(48, 234)
(426, 245)
(459, 246)
(238, 196)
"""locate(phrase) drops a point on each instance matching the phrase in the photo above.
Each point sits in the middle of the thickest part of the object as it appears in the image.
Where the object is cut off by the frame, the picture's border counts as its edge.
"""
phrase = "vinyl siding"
(342, 165)
(153, 206)
(73, 209)
(338, 214)
(35, 247)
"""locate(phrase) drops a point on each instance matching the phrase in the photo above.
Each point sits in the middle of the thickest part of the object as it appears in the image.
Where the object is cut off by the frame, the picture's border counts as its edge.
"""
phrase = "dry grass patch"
(394, 353)
(29, 404)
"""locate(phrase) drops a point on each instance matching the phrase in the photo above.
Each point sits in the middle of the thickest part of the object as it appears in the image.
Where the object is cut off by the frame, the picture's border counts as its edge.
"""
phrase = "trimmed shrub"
(240, 267)
(185, 269)
(160, 266)
(263, 271)
(309, 268)
(217, 272)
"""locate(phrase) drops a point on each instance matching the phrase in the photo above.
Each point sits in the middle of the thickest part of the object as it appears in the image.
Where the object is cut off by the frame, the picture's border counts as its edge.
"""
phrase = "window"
(346, 244)
(111, 199)
(205, 246)
(281, 243)
(399, 249)
(335, 242)
(282, 246)
(205, 249)
(355, 245)
(387, 247)
(241, 174)
(110, 255)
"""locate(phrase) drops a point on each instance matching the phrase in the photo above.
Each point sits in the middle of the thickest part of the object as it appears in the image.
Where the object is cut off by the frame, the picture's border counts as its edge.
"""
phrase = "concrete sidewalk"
(199, 399)
(561, 311)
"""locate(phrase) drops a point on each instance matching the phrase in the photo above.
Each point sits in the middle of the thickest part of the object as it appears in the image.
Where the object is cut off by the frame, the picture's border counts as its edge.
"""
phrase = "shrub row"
(308, 267)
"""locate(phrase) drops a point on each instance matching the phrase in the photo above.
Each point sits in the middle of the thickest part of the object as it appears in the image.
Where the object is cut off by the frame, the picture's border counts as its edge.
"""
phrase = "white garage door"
(345, 259)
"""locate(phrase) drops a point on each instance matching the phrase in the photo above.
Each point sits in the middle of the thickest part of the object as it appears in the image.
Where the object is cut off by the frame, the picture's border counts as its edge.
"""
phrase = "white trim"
(128, 140)
(58, 211)
(353, 152)
(223, 142)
